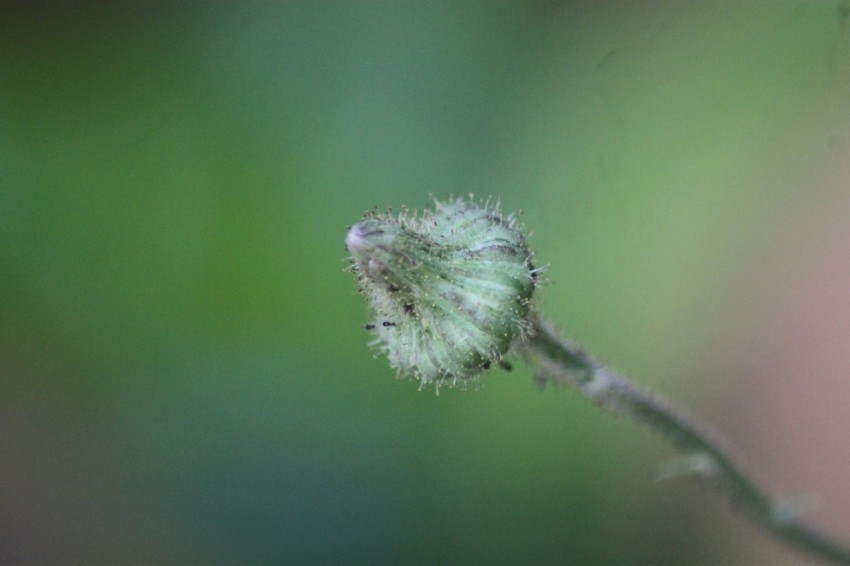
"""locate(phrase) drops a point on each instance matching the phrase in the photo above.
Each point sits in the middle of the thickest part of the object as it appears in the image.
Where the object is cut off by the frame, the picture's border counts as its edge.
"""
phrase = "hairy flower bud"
(450, 289)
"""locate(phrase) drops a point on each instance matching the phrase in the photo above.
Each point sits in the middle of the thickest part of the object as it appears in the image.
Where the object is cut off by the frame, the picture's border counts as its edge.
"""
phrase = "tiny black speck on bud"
(461, 277)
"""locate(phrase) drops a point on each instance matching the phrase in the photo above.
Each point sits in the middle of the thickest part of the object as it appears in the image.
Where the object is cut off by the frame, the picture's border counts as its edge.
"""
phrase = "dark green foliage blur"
(184, 375)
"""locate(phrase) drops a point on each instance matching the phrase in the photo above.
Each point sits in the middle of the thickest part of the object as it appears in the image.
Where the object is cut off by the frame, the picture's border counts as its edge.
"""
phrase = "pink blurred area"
(790, 415)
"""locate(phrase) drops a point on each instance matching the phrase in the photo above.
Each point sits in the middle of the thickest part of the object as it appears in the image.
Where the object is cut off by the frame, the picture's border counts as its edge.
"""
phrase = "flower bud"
(450, 290)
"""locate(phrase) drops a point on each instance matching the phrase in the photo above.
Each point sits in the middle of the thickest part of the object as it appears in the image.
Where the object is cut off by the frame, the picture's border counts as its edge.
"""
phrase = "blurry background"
(184, 374)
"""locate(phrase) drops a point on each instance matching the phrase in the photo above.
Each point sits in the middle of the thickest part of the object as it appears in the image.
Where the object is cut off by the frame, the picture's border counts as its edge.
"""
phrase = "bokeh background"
(184, 374)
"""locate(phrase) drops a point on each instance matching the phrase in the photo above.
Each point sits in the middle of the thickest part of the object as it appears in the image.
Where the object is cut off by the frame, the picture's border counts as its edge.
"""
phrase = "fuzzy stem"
(565, 363)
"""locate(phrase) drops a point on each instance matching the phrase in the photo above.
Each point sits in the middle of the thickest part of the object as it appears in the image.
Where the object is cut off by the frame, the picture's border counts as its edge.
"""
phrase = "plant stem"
(565, 363)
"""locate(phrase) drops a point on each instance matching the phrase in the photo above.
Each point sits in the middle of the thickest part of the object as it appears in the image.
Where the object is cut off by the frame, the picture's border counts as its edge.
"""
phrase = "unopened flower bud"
(450, 290)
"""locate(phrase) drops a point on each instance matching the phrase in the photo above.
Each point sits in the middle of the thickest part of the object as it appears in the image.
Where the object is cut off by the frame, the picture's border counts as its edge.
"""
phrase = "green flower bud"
(450, 290)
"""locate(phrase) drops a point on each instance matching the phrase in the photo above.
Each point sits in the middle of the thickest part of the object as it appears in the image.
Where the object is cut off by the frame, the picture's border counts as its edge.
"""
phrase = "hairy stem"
(565, 363)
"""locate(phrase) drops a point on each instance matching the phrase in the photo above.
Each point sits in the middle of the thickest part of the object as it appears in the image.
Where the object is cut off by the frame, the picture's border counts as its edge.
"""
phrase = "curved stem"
(565, 363)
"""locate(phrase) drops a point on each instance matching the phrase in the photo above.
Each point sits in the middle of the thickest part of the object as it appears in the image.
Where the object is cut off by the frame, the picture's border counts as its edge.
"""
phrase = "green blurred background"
(183, 369)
